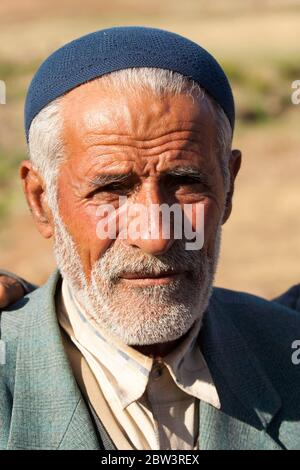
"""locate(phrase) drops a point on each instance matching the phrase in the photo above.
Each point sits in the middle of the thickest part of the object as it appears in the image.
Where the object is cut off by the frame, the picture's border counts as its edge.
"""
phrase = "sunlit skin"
(107, 132)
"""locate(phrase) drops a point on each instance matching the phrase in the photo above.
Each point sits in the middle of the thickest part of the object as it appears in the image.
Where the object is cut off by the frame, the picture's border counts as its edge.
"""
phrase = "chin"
(154, 332)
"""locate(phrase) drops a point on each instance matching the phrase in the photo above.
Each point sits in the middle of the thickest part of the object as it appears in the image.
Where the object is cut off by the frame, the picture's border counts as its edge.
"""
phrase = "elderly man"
(127, 346)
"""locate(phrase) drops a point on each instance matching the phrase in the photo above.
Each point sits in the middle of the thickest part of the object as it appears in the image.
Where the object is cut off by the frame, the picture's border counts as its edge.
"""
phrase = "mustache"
(119, 260)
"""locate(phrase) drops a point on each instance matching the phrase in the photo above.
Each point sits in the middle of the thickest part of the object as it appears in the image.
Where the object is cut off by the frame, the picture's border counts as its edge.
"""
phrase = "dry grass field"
(258, 44)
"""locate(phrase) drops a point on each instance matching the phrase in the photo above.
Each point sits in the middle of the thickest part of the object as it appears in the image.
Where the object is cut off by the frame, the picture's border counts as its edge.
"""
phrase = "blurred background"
(257, 42)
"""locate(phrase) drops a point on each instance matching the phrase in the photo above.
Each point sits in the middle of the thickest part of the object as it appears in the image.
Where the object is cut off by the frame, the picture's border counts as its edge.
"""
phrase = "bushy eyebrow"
(181, 171)
(103, 180)
(191, 172)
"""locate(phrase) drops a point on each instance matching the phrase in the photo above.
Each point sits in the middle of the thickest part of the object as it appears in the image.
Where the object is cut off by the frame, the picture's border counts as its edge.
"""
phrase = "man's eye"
(114, 187)
(187, 181)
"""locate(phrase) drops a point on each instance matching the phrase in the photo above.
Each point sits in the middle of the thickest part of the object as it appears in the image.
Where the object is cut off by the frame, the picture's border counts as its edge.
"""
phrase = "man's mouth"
(164, 277)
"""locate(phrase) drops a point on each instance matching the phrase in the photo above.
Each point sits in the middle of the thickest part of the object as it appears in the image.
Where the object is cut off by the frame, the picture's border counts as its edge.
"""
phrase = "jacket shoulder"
(253, 303)
(265, 325)
(11, 325)
(12, 321)
(255, 314)
(270, 329)
(290, 298)
(13, 317)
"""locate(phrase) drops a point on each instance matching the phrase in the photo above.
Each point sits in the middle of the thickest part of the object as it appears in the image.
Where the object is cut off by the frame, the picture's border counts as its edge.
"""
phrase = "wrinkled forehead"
(92, 111)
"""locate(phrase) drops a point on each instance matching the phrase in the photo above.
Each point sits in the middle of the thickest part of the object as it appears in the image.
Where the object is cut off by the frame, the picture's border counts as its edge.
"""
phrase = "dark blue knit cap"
(118, 48)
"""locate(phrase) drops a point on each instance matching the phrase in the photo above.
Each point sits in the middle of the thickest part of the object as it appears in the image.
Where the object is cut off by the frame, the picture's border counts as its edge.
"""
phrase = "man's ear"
(234, 166)
(34, 189)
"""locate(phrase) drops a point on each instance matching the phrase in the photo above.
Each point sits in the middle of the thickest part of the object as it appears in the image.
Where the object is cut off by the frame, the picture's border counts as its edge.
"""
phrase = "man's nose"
(155, 234)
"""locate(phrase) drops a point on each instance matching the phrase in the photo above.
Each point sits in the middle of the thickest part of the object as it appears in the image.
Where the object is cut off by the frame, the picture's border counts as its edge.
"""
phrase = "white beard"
(139, 315)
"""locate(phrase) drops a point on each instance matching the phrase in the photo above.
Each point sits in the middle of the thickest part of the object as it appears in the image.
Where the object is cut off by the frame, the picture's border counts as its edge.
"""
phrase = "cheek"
(206, 215)
(81, 222)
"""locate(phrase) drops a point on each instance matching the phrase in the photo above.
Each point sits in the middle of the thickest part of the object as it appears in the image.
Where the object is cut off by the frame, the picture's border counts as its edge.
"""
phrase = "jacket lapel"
(48, 408)
(248, 400)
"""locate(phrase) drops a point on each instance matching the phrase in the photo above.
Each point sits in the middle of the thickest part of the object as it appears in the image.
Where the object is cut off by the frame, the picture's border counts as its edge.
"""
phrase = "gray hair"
(45, 144)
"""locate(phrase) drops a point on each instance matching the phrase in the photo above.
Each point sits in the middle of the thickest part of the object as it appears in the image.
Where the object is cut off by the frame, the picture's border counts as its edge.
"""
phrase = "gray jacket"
(246, 342)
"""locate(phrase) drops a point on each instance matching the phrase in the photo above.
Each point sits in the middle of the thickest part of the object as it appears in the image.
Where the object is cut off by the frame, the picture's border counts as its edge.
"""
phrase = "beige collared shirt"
(155, 403)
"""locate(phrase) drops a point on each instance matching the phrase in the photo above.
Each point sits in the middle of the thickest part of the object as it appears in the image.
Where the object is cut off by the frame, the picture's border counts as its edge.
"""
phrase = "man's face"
(144, 290)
